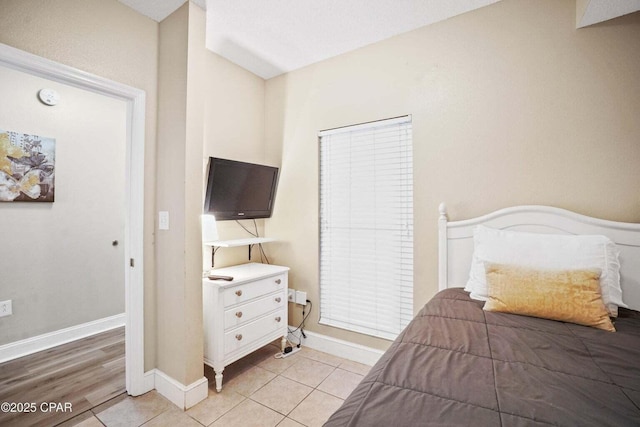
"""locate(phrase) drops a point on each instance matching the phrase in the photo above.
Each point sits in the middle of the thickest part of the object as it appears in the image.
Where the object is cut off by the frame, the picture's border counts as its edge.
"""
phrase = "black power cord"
(302, 324)
(263, 255)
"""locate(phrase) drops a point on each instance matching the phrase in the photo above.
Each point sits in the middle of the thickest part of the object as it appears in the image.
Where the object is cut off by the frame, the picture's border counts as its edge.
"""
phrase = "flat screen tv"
(239, 190)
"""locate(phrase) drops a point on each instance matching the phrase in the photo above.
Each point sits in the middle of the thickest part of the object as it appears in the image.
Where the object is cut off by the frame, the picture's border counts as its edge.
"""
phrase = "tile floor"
(258, 390)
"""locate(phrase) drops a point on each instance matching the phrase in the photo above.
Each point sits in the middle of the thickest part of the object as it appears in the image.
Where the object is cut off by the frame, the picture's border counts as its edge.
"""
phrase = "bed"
(457, 364)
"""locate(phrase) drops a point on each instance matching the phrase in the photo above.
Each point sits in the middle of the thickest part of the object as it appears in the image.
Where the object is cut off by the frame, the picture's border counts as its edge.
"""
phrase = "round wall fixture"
(49, 96)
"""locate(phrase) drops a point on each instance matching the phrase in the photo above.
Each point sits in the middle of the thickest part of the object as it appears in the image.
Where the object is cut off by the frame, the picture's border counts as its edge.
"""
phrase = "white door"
(61, 262)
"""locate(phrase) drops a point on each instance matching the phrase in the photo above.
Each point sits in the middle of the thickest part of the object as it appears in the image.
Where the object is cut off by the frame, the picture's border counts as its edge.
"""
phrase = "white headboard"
(456, 241)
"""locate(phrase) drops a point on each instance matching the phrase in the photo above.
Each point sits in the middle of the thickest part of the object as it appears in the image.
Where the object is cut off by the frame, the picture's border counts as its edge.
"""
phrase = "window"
(366, 227)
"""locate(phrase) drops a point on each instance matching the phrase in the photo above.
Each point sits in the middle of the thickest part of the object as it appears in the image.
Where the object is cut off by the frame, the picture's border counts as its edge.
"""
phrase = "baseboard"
(149, 381)
(52, 339)
(184, 397)
(341, 348)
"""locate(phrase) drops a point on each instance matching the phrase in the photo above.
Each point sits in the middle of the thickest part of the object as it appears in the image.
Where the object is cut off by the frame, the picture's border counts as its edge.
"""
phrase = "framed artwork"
(27, 167)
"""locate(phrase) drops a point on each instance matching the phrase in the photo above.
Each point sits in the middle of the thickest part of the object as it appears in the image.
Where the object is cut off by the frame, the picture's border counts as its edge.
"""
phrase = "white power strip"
(293, 351)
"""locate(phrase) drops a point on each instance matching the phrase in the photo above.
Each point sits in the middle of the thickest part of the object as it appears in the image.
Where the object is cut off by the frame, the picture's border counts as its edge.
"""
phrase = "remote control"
(215, 277)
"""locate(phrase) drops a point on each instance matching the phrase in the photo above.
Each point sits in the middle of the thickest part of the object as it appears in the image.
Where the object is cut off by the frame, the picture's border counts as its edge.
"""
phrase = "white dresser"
(244, 314)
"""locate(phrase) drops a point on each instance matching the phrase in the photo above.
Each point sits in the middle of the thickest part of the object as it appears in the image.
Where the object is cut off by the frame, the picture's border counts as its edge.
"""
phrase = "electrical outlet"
(5, 308)
(301, 297)
(291, 295)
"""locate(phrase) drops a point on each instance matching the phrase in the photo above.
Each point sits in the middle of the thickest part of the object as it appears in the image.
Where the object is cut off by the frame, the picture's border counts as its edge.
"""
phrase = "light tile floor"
(258, 390)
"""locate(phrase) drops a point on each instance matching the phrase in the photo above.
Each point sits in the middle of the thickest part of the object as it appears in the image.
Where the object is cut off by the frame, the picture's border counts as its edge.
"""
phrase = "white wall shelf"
(240, 242)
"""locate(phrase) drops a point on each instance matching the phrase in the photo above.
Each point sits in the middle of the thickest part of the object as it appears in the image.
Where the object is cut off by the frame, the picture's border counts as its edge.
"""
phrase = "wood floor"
(76, 376)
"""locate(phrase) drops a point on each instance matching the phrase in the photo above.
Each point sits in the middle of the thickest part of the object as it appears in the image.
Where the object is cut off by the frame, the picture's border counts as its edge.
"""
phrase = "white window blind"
(366, 227)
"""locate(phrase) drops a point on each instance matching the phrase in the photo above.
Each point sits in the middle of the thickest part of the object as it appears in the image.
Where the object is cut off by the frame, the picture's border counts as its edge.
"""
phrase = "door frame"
(134, 193)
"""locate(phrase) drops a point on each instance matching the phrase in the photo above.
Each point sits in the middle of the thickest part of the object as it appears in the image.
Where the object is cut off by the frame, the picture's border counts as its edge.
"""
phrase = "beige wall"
(196, 75)
(212, 108)
(172, 349)
(233, 122)
(207, 107)
(110, 40)
(510, 104)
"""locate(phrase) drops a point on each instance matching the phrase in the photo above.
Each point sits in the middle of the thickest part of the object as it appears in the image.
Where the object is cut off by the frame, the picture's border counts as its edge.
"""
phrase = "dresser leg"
(283, 343)
(218, 379)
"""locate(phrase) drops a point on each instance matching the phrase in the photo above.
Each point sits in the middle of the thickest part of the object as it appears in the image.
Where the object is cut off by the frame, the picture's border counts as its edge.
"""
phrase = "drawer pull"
(238, 337)
(238, 314)
(278, 299)
(278, 319)
(239, 292)
(278, 281)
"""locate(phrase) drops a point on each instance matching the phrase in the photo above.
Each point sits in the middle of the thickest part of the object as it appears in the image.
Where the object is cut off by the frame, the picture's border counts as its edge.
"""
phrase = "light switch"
(163, 220)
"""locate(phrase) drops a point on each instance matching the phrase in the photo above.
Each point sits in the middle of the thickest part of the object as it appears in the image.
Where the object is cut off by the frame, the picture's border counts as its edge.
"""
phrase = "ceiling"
(596, 11)
(273, 37)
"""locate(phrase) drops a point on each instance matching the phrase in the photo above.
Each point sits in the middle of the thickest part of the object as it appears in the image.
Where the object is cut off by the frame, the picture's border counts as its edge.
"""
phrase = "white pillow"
(546, 251)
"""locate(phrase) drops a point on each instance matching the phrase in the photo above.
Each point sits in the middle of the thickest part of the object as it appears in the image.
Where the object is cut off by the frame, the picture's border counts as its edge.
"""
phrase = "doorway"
(124, 240)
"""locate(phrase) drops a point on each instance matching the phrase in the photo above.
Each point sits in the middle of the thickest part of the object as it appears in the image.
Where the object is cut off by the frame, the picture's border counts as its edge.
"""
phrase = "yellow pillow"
(566, 295)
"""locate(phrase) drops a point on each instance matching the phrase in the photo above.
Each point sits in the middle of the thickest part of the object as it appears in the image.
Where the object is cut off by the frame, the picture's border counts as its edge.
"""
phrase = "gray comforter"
(456, 364)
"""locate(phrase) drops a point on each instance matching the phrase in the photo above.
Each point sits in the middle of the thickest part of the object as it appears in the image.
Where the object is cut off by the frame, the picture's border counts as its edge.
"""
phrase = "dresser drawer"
(247, 291)
(245, 335)
(245, 313)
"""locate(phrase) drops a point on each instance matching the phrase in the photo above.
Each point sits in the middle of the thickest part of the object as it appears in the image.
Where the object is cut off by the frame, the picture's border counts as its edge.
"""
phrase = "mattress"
(456, 364)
